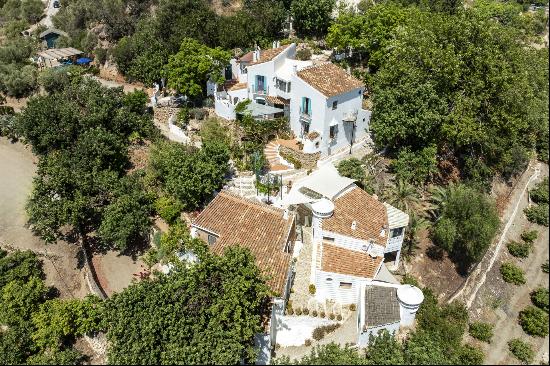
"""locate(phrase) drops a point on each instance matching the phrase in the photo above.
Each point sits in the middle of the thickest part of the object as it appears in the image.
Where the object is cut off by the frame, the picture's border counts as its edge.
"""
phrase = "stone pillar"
(320, 210)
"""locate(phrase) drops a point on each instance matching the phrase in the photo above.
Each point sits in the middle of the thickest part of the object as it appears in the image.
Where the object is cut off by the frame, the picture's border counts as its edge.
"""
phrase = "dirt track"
(17, 168)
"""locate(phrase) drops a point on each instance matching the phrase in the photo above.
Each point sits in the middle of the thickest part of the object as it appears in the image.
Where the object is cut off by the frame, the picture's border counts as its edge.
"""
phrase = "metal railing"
(305, 116)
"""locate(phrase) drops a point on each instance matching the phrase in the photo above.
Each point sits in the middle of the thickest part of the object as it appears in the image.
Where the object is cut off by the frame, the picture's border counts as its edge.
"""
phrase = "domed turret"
(323, 208)
(410, 297)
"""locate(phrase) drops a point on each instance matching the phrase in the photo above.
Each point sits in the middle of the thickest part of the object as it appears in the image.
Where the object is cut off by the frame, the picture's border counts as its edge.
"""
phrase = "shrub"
(304, 54)
(298, 311)
(290, 311)
(322, 314)
(183, 117)
(339, 317)
(521, 350)
(318, 333)
(415, 167)
(540, 193)
(534, 321)
(306, 311)
(198, 113)
(307, 342)
(529, 236)
(540, 298)
(331, 316)
(545, 267)
(312, 289)
(537, 214)
(481, 331)
(314, 313)
(297, 163)
(520, 250)
(168, 208)
(512, 274)
(352, 307)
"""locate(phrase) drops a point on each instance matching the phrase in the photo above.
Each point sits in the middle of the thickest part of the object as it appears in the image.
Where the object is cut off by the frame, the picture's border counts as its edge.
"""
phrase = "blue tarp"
(83, 60)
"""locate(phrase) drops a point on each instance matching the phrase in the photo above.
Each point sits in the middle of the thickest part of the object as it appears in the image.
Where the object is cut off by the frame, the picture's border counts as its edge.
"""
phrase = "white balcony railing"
(305, 116)
(350, 116)
(394, 244)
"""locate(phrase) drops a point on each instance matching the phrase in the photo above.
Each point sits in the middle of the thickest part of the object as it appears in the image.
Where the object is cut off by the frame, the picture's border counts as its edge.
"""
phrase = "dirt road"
(17, 168)
(499, 303)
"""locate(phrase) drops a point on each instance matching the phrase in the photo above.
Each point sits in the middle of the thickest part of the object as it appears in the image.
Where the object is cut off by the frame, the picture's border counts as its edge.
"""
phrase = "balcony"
(350, 116)
(394, 244)
(257, 91)
(305, 116)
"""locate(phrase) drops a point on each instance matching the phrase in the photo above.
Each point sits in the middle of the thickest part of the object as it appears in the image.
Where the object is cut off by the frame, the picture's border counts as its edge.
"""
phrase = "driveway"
(50, 11)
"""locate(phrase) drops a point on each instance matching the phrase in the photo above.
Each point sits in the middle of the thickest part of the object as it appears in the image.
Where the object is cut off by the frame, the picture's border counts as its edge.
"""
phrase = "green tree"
(189, 174)
(512, 273)
(328, 354)
(481, 331)
(353, 168)
(384, 349)
(415, 167)
(189, 69)
(404, 196)
(522, 350)
(467, 225)
(312, 17)
(196, 314)
(540, 298)
(534, 321)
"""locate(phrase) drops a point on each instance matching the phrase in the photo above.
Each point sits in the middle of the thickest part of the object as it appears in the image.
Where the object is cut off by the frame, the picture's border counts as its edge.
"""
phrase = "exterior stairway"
(243, 185)
(271, 152)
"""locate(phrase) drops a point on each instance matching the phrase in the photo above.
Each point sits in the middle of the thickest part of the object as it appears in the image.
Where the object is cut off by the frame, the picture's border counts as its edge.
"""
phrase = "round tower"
(410, 297)
(321, 209)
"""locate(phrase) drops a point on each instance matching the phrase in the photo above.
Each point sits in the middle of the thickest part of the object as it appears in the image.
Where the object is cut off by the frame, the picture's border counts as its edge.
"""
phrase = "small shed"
(380, 310)
(47, 57)
(51, 35)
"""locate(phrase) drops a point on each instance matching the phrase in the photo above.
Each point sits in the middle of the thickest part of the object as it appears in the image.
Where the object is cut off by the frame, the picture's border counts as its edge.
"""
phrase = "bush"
(534, 321)
(314, 313)
(331, 316)
(183, 116)
(481, 331)
(100, 55)
(520, 250)
(529, 236)
(521, 350)
(545, 267)
(540, 298)
(540, 193)
(304, 54)
(298, 311)
(318, 333)
(339, 317)
(289, 158)
(307, 342)
(537, 214)
(312, 289)
(168, 208)
(198, 113)
(306, 311)
(512, 274)
(415, 167)
(322, 314)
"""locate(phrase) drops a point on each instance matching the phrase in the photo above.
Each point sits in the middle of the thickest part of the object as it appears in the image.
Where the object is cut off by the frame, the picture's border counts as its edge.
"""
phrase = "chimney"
(278, 44)
(295, 69)
(274, 44)
(259, 53)
(375, 196)
(254, 56)
(354, 225)
(285, 214)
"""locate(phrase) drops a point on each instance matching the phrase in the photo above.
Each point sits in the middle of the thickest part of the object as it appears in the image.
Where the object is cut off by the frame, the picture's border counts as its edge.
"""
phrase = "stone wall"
(163, 114)
(309, 161)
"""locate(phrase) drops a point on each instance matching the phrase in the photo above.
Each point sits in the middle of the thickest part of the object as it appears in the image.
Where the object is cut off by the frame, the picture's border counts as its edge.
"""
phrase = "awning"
(58, 53)
(334, 122)
(260, 110)
(396, 217)
(277, 100)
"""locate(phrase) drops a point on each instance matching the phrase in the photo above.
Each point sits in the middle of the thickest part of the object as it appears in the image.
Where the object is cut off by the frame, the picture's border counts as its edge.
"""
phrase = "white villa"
(323, 102)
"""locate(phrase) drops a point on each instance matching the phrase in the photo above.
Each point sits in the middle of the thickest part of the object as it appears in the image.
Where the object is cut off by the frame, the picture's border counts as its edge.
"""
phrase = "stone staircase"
(271, 152)
(243, 185)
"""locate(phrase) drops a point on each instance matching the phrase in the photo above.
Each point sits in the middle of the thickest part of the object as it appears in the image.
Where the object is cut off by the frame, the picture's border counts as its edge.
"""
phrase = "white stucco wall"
(364, 336)
(332, 290)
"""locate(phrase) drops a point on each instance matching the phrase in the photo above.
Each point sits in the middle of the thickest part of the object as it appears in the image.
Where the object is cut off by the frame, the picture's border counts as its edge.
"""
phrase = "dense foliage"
(534, 321)
(467, 223)
(456, 81)
(18, 78)
(520, 250)
(189, 174)
(39, 329)
(540, 298)
(481, 331)
(312, 17)
(522, 350)
(81, 135)
(199, 314)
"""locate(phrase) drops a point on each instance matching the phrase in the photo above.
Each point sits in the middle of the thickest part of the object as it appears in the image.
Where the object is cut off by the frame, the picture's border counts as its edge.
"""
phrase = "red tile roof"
(269, 54)
(336, 259)
(254, 225)
(368, 213)
(329, 79)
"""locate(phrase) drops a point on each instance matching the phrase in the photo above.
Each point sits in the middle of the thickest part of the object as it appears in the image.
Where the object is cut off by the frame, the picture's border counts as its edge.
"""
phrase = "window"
(335, 104)
(306, 128)
(333, 131)
(326, 238)
(328, 279)
(211, 239)
(288, 87)
(317, 145)
(306, 106)
(345, 285)
(396, 232)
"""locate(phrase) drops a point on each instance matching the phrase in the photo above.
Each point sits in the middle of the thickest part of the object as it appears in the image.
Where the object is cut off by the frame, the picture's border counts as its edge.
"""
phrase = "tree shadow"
(138, 248)
(435, 253)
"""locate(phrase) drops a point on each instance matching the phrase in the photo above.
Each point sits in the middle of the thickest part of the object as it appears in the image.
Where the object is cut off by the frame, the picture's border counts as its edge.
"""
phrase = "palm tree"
(416, 224)
(438, 196)
(404, 196)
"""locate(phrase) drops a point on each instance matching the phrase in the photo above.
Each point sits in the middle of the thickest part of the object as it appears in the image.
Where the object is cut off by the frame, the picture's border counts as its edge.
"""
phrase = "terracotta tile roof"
(247, 57)
(329, 79)
(268, 54)
(337, 259)
(277, 100)
(381, 306)
(238, 86)
(254, 225)
(368, 213)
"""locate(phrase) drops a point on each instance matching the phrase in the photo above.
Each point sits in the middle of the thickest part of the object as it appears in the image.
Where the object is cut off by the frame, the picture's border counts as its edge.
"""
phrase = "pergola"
(58, 53)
